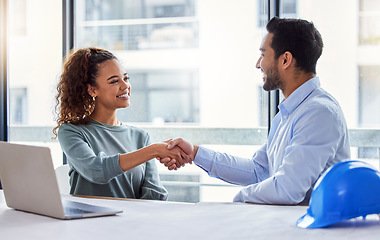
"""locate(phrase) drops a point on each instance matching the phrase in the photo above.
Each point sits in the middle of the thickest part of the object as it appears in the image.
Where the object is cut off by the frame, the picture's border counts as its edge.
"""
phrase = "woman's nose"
(126, 85)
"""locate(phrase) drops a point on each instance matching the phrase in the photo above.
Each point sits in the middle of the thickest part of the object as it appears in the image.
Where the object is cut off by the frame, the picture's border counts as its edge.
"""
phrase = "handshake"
(175, 153)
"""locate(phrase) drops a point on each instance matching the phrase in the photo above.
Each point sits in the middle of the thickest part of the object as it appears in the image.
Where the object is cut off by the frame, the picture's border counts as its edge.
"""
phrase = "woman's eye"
(115, 81)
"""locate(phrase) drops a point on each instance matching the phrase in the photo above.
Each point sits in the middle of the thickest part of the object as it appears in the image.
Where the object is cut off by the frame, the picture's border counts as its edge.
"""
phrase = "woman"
(106, 157)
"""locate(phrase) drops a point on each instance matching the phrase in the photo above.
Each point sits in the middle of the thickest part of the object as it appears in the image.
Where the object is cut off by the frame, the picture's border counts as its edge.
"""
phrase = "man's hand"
(173, 158)
(188, 148)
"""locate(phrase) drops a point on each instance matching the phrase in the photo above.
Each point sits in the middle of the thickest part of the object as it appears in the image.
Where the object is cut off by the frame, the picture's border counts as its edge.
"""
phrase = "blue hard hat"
(346, 190)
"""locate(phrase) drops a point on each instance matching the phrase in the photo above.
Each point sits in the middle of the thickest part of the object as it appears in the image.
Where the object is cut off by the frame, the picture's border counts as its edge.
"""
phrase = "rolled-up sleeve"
(94, 167)
(152, 187)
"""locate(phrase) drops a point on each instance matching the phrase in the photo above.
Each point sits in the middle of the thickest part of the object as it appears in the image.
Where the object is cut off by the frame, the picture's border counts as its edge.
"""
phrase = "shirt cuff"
(238, 197)
(204, 158)
(113, 168)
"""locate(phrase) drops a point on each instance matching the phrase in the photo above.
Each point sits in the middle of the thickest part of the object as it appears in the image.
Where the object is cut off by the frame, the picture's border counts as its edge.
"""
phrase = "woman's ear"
(91, 90)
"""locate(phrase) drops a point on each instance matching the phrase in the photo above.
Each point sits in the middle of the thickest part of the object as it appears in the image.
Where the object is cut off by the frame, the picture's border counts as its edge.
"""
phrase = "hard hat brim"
(307, 221)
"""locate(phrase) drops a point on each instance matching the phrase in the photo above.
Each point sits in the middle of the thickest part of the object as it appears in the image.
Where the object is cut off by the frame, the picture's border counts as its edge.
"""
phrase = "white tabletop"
(144, 219)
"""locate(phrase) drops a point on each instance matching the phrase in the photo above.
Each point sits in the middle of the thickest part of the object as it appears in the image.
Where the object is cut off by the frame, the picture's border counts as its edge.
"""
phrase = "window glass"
(35, 57)
(349, 66)
(288, 8)
(188, 60)
(368, 63)
(136, 25)
(369, 22)
(34, 63)
(190, 63)
(18, 104)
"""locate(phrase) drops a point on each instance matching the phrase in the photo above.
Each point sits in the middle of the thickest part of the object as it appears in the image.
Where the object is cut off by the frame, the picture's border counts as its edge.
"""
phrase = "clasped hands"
(178, 152)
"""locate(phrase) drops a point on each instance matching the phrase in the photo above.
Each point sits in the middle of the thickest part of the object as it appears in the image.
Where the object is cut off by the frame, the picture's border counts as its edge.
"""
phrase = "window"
(154, 93)
(262, 6)
(349, 65)
(34, 63)
(368, 63)
(288, 8)
(136, 25)
(369, 70)
(18, 103)
(193, 52)
(177, 53)
(18, 16)
(369, 82)
(369, 22)
(190, 63)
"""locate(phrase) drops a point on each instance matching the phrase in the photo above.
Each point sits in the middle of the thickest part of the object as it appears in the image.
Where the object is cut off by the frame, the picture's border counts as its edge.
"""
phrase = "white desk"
(169, 220)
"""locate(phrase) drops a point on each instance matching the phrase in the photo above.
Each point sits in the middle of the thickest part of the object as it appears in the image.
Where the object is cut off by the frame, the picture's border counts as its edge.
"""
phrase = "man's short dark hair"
(300, 38)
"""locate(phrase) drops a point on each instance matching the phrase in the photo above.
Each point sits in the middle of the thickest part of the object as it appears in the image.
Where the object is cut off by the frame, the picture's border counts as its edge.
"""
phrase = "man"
(308, 135)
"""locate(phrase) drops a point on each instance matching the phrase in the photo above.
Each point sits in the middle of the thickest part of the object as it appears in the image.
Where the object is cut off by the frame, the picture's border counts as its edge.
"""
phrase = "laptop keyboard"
(69, 210)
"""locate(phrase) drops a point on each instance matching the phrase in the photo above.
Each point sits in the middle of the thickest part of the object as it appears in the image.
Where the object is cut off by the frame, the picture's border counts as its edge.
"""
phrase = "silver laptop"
(30, 184)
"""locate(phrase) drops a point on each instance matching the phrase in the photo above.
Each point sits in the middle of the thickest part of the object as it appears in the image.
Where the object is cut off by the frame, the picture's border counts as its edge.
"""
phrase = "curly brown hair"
(73, 102)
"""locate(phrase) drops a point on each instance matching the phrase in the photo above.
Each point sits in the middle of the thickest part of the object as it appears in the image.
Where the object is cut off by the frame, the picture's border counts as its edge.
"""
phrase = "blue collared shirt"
(308, 135)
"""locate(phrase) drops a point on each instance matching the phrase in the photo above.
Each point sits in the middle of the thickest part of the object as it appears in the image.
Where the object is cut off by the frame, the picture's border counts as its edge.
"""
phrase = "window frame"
(3, 72)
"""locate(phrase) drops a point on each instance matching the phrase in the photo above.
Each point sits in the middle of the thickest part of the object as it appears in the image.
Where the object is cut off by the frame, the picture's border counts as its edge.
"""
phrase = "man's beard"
(273, 80)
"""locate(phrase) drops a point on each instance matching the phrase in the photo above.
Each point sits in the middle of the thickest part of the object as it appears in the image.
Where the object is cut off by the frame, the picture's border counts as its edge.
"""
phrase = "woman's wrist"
(154, 150)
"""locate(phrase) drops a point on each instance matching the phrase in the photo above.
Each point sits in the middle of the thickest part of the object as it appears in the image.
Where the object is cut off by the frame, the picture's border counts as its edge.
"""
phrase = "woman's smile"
(124, 96)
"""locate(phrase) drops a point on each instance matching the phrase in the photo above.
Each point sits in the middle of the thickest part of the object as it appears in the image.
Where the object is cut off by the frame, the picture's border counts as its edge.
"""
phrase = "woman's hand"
(169, 163)
(169, 157)
(188, 148)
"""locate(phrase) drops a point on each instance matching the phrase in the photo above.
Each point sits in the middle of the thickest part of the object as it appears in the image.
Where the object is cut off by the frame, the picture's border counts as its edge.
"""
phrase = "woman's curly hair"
(73, 102)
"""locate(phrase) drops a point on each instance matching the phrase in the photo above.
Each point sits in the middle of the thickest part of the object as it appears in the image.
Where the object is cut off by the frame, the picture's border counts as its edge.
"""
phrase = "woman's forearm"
(130, 160)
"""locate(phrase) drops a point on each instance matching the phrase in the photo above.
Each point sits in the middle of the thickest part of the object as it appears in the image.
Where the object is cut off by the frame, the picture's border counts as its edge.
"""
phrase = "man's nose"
(258, 64)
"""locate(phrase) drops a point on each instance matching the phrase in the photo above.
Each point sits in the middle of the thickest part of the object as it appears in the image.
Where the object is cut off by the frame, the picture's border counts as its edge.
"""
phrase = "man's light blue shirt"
(307, 136)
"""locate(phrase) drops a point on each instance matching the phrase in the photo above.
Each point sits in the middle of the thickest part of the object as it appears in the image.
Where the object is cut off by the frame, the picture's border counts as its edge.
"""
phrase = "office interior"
(201, 53)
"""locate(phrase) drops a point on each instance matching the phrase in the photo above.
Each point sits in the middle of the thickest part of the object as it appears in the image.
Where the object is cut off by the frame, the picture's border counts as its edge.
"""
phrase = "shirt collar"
(288, 105)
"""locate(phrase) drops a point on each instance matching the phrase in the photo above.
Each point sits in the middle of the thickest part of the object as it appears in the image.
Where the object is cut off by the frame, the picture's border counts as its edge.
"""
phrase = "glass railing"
(359, 137)
(191, 184)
